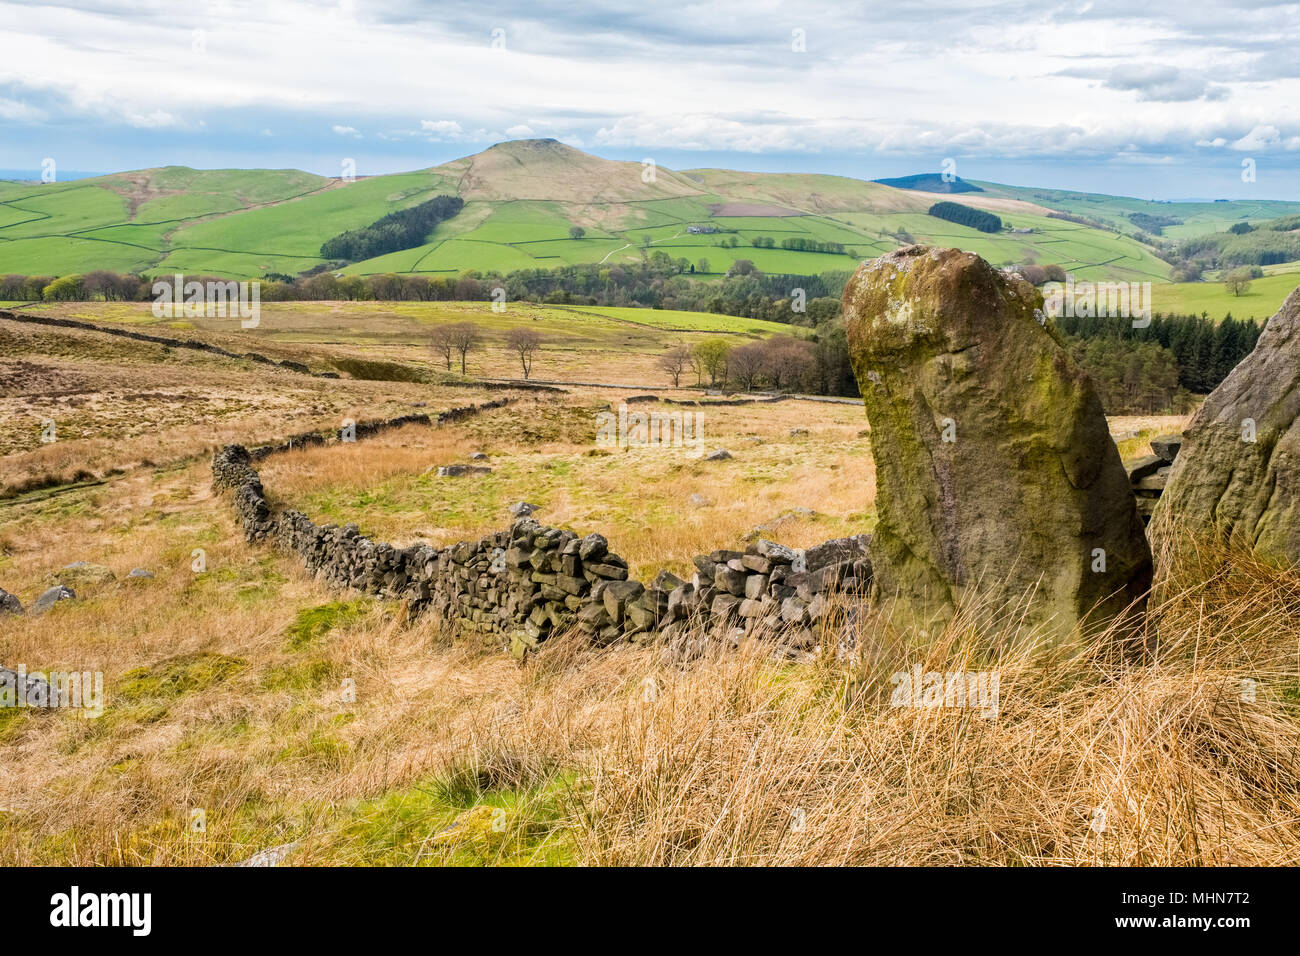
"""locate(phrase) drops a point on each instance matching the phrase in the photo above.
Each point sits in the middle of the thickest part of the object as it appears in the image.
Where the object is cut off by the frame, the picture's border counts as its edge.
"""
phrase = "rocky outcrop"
(1239, 468)
(996, 473)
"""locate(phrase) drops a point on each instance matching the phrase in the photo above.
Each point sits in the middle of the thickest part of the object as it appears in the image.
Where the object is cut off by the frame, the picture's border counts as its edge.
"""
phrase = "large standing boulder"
(996, 475)
(1239, 465)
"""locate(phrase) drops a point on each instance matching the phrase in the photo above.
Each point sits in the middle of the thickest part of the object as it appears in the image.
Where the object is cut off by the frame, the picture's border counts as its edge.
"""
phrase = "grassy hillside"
(1197, 217)
(613, 345)
(522, 198)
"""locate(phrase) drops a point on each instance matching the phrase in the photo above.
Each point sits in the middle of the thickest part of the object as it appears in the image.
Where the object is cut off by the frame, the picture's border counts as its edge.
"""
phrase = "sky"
(1160, 100)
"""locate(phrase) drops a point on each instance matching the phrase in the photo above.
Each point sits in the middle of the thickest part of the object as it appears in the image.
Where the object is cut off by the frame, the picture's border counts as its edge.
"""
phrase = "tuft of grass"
(177, 677)
(312, 623)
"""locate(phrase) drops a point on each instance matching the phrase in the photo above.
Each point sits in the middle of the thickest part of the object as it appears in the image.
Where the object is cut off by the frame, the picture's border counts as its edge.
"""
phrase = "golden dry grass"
(225, 688)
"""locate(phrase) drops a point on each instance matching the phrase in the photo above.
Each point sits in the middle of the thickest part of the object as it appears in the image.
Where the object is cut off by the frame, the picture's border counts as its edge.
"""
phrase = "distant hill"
(931, 183)
(539, 204)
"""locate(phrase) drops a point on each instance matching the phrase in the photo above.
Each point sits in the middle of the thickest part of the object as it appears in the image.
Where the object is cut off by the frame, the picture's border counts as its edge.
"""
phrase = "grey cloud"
(1165, 84)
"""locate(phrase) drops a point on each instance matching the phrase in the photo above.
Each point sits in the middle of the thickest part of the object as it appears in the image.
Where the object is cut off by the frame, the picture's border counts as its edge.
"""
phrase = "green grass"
(463, 818)
(312, 623)
(1198, 217)
(675, 320)
(1265, 297)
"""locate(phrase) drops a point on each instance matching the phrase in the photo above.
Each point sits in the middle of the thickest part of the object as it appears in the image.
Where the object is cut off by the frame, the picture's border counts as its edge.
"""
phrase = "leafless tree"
(787, 361)
(442, 344)
(746, 364)
(524, 343)
(675, 362)
(465, 337)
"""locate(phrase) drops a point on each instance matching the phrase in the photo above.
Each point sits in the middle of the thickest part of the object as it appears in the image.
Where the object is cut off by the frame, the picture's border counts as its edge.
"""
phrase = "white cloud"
(157, 119)
(1259, 138)
(1017, 79)
(442, 129)
(16, 111)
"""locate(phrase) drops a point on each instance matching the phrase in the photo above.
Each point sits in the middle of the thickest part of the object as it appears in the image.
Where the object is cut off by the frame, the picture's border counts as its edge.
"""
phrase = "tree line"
(1149, 370)
(403, 229)
(1161, 367)
(818, 364)
(966, 216)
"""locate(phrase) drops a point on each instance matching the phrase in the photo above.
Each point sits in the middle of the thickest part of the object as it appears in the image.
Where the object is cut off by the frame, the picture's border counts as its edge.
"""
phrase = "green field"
(379, 321)
(523, 197)
(1263, 299)
(1197, 218)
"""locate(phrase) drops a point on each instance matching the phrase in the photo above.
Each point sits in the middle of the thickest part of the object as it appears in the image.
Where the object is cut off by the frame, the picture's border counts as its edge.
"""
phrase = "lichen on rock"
(996, 473)
(1238, 469)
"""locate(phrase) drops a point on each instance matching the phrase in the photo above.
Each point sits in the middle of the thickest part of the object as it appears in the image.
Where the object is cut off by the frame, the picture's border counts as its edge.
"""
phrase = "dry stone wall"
(529, 580)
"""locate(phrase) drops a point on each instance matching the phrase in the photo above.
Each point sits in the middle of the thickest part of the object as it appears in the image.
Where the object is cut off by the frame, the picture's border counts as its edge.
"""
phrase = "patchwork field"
(523, 198)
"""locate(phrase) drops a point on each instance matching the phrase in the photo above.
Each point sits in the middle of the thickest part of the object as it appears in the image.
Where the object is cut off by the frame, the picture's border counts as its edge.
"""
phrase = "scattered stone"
(51, 597)
(273, 856)
(797, 432)
(478, 456)
(699, 501)
(140, 573)
(995, 468)
(9, 603)
(82, 575)
(522, 509)
(720, 455)
(457, 471)
(1238, 469)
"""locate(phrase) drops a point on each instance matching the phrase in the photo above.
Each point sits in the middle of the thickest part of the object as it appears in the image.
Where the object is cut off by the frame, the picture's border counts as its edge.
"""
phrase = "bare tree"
(524, 343)
(747, 364)
(675, 362)
(787, 360)
(465, 337)
(441, 341)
